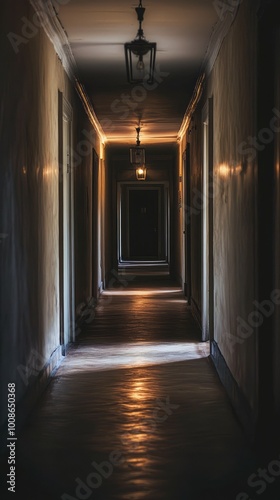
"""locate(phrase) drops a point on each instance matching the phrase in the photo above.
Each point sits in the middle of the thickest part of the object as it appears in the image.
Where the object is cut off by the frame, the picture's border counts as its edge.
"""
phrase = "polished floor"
(136, 411)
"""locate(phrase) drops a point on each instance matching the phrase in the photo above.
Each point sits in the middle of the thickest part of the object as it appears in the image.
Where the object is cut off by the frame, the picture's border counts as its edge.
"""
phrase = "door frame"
(123, 219)
(187, 222)
(207, 282)
(66, 229)
(160, 215)
(95, 225)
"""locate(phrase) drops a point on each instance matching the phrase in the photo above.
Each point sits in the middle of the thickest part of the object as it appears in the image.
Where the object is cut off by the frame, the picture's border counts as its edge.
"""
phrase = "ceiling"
(97, 31)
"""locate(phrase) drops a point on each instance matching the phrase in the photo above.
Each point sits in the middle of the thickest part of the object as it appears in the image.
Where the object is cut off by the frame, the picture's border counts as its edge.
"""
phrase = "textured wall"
(233, 87)
(29, 194)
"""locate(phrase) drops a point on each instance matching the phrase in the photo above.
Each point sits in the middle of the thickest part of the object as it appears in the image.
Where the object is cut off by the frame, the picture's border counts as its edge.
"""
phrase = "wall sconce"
(137, 154)
(140, 47)
(141, 173)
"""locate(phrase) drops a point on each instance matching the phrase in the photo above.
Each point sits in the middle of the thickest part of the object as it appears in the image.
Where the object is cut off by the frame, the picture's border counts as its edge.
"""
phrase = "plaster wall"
(233, 87)
(29, 198)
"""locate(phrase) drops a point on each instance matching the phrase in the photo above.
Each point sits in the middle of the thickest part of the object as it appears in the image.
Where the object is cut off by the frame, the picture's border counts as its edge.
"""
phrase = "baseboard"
(238, 400)
(34, 390)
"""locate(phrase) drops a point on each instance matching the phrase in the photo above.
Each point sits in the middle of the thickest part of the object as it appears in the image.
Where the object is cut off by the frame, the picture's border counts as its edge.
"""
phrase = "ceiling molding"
(220, 31)
(57, 35)
(191, 107)
(50, 23)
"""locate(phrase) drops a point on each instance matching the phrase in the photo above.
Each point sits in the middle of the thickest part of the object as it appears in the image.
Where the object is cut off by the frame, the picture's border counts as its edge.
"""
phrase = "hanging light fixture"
(136, 69)
(137, 154)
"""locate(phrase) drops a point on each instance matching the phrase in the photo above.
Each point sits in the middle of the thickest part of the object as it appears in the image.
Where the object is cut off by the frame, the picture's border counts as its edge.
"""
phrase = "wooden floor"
(135, 411)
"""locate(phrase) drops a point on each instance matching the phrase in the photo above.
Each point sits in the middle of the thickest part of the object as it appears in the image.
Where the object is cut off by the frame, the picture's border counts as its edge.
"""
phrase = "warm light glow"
(140, 65)
(24, 170)
(140, 174)
(90, 112)
(153, 139)
(191, 107)
(101, 153)
(47, 171)
(137, 390)
(236, 170)
(225, 170)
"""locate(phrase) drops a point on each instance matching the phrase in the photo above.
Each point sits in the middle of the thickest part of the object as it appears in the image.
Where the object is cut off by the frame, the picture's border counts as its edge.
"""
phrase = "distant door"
(187, 222)
(144, 223)
(94, 217)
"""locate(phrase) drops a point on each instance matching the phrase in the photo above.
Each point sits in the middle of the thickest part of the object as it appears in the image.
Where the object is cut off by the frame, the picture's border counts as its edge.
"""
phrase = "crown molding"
(191, 107)
(57, 35)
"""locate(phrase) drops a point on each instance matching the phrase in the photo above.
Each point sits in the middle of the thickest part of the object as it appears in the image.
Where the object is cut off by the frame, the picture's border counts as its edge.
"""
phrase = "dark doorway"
(187, 222)
(144, 223)
(94, 239)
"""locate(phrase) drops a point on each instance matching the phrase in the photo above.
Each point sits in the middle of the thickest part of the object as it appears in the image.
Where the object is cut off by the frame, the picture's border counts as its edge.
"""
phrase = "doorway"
(143, 222)
(207, 225)
(66, 226)
(95, 224)
(187, 222)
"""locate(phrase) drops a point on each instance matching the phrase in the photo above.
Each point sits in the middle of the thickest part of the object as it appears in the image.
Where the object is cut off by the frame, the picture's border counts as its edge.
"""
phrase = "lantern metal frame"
(140, 47)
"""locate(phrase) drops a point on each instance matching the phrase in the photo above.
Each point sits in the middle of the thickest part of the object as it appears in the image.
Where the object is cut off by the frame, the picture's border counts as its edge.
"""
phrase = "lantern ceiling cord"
(137, 154)
(138, 133)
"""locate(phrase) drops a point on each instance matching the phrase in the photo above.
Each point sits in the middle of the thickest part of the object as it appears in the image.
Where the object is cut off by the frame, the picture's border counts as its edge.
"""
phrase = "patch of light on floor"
(122, 291)
(110, 357)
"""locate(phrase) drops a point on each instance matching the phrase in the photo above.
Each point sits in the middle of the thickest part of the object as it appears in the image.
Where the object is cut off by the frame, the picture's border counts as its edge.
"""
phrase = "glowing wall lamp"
(136, 52)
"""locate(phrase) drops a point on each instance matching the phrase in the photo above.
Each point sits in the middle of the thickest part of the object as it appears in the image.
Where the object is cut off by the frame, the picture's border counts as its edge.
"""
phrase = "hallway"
(137, 387)
(104, 170)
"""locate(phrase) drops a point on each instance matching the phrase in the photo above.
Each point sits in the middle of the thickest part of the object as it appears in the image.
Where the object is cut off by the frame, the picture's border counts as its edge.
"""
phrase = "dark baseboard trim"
(34, 390)
(238, 400)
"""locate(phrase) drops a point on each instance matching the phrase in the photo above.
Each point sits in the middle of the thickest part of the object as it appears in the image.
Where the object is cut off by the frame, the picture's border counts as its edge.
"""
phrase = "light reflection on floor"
(121, 291)
(110, 357)
(142, 351)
